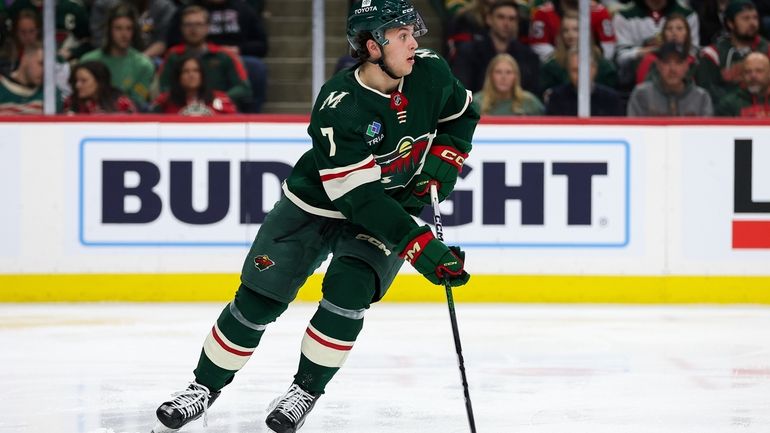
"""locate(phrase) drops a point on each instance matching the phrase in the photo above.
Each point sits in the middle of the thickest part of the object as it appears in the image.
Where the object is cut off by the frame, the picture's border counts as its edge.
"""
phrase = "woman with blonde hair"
(502, 93)
(554, 71)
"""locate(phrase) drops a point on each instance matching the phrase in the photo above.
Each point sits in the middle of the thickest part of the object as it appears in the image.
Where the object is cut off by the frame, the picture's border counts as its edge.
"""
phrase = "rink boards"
(548, 211)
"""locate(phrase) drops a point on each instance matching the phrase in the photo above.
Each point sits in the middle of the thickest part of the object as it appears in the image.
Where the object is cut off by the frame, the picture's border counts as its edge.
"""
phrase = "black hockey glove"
(442, 165)
(434, 260)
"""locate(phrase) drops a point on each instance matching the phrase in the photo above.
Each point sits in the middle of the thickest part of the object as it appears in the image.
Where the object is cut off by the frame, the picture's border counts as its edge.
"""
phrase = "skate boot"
(288, 412)
(185, 406)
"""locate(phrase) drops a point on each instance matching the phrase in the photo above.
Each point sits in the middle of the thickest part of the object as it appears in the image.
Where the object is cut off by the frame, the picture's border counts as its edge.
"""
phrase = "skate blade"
(160, 428)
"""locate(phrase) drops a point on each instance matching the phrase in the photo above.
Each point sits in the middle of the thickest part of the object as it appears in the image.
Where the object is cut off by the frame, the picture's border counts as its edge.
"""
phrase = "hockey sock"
(325, 347)
(234, 337)
(348, 289)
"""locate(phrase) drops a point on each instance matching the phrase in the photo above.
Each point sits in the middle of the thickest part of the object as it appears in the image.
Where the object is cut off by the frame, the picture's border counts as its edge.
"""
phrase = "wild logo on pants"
(263, 262)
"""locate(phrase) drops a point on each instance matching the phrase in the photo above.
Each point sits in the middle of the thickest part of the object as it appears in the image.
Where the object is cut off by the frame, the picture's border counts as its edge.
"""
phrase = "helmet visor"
(410, 17)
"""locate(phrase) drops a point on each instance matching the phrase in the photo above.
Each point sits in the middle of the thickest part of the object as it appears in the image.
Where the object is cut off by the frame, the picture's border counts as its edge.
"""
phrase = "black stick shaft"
(452, 314)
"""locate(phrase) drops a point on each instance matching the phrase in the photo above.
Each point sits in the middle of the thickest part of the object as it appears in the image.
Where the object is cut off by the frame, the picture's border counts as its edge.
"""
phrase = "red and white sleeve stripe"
(224, 353)
(341, 180)
(324, 350)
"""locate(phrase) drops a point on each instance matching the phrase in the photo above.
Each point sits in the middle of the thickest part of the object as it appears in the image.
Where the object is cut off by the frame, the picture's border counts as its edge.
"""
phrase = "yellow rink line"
(407, 288)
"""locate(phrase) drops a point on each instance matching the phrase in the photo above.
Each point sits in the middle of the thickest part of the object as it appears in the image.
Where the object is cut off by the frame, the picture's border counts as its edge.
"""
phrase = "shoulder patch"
(425, 53)
(431, 61)
(333, 99)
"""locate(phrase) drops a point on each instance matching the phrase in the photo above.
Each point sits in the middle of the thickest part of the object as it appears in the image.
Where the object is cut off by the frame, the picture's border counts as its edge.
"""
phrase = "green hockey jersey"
(368, 147)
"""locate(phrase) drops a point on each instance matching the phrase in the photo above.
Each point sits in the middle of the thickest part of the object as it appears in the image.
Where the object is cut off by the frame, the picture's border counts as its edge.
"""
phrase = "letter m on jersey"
(333, 99)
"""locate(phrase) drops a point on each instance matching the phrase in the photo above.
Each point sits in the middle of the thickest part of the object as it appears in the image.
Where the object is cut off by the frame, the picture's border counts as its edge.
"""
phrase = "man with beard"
(752, 99)
(721, 66)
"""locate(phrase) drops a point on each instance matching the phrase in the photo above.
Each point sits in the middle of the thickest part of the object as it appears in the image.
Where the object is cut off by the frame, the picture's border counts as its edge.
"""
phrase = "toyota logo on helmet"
(377, 16)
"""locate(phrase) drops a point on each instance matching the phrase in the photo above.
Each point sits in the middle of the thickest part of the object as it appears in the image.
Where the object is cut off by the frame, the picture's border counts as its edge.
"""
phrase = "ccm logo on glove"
(450, 155)
(414, 249)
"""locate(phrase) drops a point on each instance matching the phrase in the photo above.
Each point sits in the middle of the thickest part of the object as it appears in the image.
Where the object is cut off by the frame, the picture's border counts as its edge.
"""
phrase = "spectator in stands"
(502, 94)
(238, 29)
(720, 69)
(223, 70)
(452, 8)
(24, 34)
(72, 32)
(154, 17)
(563, 100)
(132, 72)
(189, 94)
(638, 28)
(468, 20)
(711, 18)
(21, 91)
(472, 59)
(671, 92)
(753, 98)
(677, 31)
(546, 22)
(92, 92)
(554, 71)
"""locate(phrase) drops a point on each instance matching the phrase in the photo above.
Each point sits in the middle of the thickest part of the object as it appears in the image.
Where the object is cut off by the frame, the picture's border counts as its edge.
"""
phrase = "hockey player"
(382, 132)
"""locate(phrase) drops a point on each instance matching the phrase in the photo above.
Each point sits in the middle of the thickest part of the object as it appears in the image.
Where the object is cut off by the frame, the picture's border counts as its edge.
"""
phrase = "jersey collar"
(361, 83)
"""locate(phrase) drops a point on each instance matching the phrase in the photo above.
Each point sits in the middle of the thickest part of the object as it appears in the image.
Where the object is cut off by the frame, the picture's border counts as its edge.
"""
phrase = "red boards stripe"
(751, 234)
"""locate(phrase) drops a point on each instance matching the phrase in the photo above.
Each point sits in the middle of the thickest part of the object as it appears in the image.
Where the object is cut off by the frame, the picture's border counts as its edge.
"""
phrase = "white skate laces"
(295, 403)
(190, 401)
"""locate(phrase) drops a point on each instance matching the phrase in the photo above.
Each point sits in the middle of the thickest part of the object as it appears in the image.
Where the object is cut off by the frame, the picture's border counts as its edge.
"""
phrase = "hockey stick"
(452, 315)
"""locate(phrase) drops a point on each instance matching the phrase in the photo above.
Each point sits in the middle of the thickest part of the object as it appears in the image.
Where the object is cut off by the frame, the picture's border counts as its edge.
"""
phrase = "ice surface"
(104, 368)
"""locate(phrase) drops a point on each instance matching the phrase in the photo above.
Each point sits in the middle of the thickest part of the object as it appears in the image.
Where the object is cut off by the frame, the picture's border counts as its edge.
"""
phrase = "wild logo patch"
(399, 166)
(263, 262)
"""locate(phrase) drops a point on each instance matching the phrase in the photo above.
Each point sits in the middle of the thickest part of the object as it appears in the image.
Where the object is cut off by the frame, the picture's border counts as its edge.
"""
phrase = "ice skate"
(185, 406)
(288, 413)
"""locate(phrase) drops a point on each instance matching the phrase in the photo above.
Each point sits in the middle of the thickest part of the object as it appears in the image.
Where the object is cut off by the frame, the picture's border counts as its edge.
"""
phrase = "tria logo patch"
(374, 134)
(373, 129)
(262, 262)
